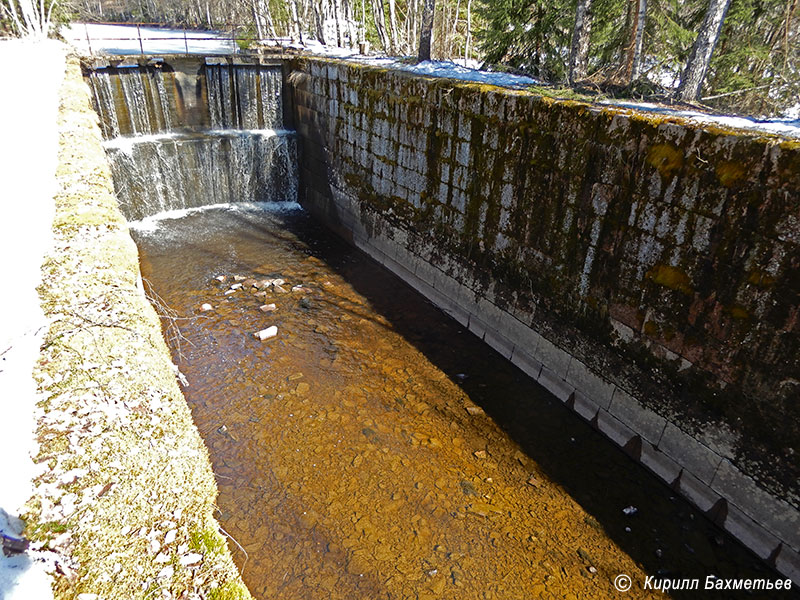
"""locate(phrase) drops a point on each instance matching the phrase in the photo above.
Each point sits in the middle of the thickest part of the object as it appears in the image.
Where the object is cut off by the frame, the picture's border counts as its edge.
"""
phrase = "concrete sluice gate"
(366, 445)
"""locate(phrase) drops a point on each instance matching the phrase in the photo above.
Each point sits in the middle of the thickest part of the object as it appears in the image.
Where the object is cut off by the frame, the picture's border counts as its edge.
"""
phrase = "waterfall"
(194, 135)
(151, 98)
(244, 96)
(157, 173)
(132, 101)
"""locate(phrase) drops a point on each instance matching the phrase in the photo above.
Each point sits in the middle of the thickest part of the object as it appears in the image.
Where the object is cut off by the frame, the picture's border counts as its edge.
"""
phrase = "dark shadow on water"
(667, 536)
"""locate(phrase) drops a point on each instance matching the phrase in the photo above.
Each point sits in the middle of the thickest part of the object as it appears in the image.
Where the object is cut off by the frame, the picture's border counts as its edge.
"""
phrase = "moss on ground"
(126, 489)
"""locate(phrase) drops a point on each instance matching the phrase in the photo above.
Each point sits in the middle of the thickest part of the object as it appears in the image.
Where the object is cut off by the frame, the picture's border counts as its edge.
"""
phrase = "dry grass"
(126, 497)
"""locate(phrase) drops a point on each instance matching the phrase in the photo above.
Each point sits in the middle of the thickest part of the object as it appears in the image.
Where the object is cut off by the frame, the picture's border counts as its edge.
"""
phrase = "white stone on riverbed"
(267, 333)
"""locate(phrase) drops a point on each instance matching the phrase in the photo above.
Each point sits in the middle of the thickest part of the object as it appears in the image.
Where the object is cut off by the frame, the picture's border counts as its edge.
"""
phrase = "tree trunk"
(451, 42)
(380, 24)
(393, 26)
(270, 23)
(337, 20)
(633, 53)
(469, 32)
(579, 49)
(297, 28)
(426, 31)
(318, 24)
(702, 50)
(636, 67)
(257, 19)
(352, 26)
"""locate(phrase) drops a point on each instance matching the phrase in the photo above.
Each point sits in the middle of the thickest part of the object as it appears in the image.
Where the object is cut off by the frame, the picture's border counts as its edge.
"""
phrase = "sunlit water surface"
(352, 452)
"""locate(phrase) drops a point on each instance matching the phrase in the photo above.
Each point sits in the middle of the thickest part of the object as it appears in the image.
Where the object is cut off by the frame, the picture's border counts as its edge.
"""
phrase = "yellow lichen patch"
(760, 278)
(666, 158)
(651, 329)
(671, 277)
(730, 173)
(737, 312)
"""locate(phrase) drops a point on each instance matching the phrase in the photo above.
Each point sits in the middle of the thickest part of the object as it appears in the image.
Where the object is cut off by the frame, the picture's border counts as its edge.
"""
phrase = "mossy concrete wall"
(642, 268)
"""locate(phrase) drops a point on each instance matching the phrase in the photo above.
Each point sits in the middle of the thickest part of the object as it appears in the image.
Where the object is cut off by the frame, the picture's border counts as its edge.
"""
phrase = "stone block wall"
(641, 268)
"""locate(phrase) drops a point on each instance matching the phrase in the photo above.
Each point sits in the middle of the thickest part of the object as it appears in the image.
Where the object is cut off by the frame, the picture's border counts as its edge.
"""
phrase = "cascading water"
(176, 141)
(132, 101)
(244, 97)
(188, 170)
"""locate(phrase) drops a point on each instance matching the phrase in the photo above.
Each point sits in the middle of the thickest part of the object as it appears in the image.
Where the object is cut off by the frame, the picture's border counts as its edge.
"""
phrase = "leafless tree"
(28, 18)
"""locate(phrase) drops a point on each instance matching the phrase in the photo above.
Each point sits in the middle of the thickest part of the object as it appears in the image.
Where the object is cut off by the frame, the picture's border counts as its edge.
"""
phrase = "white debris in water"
(28, 156)
(630, 511)
(149, 224)
(265, 334)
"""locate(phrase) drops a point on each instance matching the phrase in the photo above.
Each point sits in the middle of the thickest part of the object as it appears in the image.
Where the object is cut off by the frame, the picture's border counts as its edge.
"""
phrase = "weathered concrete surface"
(126, 494)
(639, 267)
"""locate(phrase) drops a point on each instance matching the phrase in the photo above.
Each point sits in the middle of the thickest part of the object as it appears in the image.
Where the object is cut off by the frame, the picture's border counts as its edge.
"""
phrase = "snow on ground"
(31, 73)
(788, 126)
(165, 41)
(446, 68)
(124, 39)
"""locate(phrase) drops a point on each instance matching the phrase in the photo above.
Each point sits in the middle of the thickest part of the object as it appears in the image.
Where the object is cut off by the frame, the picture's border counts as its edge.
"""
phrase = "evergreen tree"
(530, 35)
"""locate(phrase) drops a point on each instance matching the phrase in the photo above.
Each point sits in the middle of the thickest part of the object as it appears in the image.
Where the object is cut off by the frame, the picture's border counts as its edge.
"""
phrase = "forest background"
(735, 56)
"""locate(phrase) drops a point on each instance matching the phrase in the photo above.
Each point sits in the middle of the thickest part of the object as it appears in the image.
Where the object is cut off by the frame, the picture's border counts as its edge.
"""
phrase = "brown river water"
(375, 449)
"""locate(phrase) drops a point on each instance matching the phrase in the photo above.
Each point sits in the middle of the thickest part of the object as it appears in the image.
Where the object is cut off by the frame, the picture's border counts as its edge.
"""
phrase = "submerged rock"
(268, 307)
(206, 307)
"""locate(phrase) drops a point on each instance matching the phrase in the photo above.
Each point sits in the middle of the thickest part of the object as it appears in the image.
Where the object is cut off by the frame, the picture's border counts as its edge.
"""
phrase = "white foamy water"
(152, 223)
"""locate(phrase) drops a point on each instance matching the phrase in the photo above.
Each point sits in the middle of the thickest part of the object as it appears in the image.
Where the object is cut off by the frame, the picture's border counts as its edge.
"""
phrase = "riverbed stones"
(268, 307)
(206, 307)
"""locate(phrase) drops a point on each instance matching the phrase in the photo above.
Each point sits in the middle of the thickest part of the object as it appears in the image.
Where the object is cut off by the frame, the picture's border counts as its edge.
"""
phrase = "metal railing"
(279, 42)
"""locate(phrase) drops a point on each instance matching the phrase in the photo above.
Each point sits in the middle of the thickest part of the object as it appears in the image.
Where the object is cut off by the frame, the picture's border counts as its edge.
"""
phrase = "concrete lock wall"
(641, 268)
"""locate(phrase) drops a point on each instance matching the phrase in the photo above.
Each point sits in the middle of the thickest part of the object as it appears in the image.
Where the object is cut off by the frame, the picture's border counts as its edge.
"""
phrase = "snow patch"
(449, 69)
(789, 127)
(28, 159)
(124, 39)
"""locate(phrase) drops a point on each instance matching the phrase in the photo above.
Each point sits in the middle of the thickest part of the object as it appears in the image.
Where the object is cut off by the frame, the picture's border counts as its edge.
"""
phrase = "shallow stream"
(374, 449)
